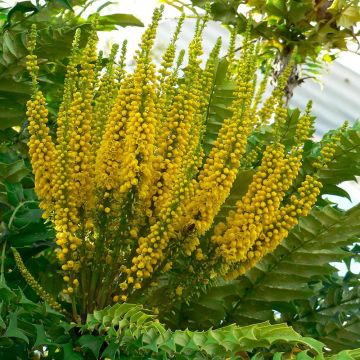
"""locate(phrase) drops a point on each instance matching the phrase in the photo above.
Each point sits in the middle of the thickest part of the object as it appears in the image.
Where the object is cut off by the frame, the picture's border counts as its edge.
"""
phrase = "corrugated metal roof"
(336, 100)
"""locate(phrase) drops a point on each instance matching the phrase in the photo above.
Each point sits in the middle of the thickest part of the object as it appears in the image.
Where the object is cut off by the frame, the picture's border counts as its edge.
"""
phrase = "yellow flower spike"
(177, 155)
(255, 210)
(261, 90)
(169, 55)
(109, 172)
(81, 157)
(304, 126)
(285, 217)
(140, 131)
(167, 86)
(104, 100)
(41, 147)
(208, 75)
(166, 97)
(275, 102)
(300, 205)
(69, 89)
(231, 52)
(220, 169)
(328, 147)
(31, 59)
(34, 284)
(120, 71)
(42, 151)
(193, 157)
(66, 214)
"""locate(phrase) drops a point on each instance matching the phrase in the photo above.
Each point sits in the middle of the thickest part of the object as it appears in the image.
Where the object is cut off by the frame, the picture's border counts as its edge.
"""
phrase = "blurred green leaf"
(349, 17)
(299, 9)
(119, 20)
(276, 7)
(21, 7)
(14, 172)
(15, 193)
(65, 3)
(104, 5)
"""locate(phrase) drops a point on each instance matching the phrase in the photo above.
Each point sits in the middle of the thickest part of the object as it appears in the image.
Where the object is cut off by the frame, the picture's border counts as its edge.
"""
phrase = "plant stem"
(2, 276)
(74, 310)
(84, 291)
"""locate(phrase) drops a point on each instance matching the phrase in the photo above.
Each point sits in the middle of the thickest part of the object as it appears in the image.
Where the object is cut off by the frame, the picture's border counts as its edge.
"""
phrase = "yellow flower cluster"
(329, 147)
(126, 182)
(106, 96)
(287, 217)
(219, 171)
(262, 219)
(41, 149)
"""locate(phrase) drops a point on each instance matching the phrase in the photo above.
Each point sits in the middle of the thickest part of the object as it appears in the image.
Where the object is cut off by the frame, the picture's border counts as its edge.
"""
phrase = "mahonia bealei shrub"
(126, 182)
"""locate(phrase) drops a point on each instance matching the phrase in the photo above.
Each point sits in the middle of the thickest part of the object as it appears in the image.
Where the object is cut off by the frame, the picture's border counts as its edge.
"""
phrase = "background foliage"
(310, 25)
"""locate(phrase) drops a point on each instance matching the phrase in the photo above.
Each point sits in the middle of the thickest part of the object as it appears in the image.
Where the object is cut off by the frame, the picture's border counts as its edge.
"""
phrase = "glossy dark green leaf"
(111, 350)
(332, 189)
(22, 7)
(10, 117)
(27, 216)
(14, 172)
(13, 331)
(69, 353)
(15, 193)
(216, 344)
(41, 338)
(92, 343)
(6, 294)
(23, 240)
(11, 44)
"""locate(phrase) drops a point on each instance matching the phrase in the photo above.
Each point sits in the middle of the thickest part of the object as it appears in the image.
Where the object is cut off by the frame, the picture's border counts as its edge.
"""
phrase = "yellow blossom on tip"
(179, 290)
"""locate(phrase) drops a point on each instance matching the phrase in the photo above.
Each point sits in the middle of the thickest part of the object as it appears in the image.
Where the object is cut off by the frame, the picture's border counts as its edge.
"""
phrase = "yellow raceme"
(126, 182)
